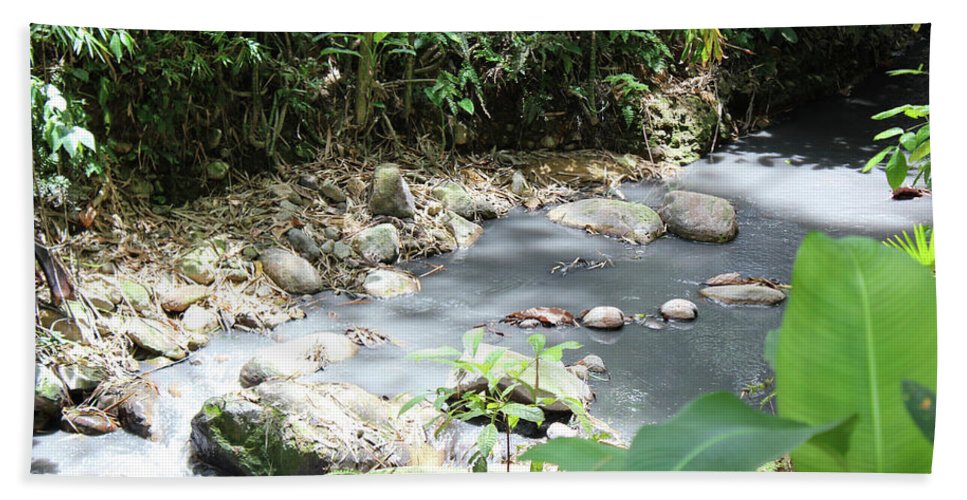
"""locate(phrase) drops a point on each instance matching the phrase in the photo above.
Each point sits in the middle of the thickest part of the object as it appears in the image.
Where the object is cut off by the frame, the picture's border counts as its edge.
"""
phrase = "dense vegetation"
(154, 109)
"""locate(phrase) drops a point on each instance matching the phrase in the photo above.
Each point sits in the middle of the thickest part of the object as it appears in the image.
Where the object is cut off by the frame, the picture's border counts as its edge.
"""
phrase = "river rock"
(154, 337)
(380, 243)
(594, 363)
(296, 357)
(580, 371)
(680, 309)
(90, 422)
(455, 199)
(699, 217)
(341, 250)
(135, 410)
(309, 181)
(632, 221)
(199, 320)
(330, 190)
(464, 232)
(289, 428)
(136, 295)
(384, 284)
(79, 377)
(518, 184)
(604, 318)
(743, 294)
(178, 299)
(73, 320)
(391, 194)
(217, 170)
(291, 272)
(556, 382)
(50, 395)
(200, 264)
(303, 244)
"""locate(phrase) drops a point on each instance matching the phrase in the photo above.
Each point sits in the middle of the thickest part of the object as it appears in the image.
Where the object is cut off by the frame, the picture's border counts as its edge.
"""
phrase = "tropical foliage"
(855, 362)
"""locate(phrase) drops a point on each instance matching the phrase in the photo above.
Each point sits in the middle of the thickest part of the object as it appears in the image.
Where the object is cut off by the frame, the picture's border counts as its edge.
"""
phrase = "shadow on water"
(795, 177)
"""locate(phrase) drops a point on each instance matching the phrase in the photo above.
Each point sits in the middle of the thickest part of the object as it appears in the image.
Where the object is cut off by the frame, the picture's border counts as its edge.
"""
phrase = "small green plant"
(920, 247)
(912, 147)
(493, 403)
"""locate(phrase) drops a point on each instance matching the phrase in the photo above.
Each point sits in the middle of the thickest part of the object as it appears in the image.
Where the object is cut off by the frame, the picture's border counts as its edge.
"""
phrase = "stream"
(794, 177)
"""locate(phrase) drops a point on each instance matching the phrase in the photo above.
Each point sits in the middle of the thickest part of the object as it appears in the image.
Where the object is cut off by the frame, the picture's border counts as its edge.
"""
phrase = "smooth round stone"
(559, 430)
(679, 309)
(604, 318)
(594, 363)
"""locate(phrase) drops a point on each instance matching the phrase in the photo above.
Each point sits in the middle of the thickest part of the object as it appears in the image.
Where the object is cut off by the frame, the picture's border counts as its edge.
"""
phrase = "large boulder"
(154, 337)
(296, 357)
(289, 428)
(622, 219)
(556, 381)
(385, 284)
(743, 294)
(380, 243)
(199, 320)
(679, 309)
(291, 272)
(464, 232)
(136, 294)
(699, 217)
(391, 194)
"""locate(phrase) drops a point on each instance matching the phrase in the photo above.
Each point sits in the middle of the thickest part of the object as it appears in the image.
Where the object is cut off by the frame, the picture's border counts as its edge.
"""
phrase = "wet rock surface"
(296, 357)
(391, 194)
(679, 309)
(289, 428)
(380, 243)
(635, 222)
(699, 217)
(385, 283)
(743, 294)
(604, 318)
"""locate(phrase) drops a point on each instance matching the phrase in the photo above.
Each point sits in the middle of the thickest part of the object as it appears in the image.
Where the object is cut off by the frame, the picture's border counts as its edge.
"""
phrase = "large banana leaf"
(860, 321)
(716, 432)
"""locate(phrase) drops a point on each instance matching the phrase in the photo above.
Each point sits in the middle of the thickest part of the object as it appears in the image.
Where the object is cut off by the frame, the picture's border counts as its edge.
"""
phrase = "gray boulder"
(464, 232)
(297, 357)
(456, 199)
(201, 263)
(699, 217)
(391, 194)
(50, 395)
(179, 298)
(743, 294)
(385, 284)
(288, 428)
(199, 320)
(380, 243)
(154, 337)
(622, 219)
(291, 272)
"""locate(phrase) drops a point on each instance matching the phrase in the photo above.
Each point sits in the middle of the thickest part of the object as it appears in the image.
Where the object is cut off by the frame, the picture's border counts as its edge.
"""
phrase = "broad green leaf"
(886, 134)
(890, 112)
(471, 340)
(829, 448)
(789, 34)
(379, 36)
(924, 133)
(877, 159)
(862, 320)
(771, 348)
(922, 151)
(917, 111)
(896, 169)
(556, 352)
(718, 432)
(921, 404)
(529, 413)
(487, 439)
(336, 50)
(909, 141)
(575, 454)
(537, 342)
(466, 105)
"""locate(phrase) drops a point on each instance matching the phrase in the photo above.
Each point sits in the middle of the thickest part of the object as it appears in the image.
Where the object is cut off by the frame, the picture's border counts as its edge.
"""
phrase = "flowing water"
(797, 176)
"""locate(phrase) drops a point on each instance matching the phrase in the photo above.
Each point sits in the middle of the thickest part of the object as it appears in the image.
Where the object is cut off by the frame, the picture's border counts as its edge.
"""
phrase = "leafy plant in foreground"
(912, 149)
(920, 247)
(494, 402)
(855, 362)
